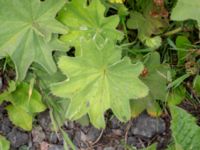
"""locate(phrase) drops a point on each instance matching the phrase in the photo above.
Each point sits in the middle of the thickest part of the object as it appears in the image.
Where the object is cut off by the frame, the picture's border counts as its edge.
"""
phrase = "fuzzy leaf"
(185, 10)
(185, 131)
(99, 80)
(26, 29)
(88, 22)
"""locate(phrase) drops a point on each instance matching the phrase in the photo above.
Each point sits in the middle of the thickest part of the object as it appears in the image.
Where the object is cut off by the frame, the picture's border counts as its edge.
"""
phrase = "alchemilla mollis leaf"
(99, 80)
(88, 21)
(26, 28)
(185, 10)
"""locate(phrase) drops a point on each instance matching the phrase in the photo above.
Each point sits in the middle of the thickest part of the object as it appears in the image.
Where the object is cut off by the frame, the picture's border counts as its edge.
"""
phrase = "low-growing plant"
(124, 56)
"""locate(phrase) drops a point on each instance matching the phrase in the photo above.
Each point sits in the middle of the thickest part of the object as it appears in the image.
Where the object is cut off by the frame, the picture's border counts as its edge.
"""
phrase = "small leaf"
(183, 45)
(20, 98)
(156, 78)
(99, 80)
(176, 96)
(196, 84)
(22, 105)
(153, 42)
(4, 144)
(145, 24)
(20, 117)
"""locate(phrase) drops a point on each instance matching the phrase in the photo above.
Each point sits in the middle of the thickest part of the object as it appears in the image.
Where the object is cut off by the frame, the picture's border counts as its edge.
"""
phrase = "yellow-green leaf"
(88, 21)
(99, 80)
(20, 117)
(4, 144)
(26, 29)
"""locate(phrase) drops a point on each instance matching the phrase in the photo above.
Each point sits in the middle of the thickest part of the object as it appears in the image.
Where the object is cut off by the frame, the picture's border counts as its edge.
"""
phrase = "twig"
(97, 140)
(173, 31)
(127, 130)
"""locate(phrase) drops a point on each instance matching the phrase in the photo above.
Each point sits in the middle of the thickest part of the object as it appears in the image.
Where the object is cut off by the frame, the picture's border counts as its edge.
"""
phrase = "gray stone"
(147, 126)
(93, 134)
(5, 126)
(45, 120)
(56, 147)
(77, 139)
(115, 123)
(38, 134)
(132, 140)
(17, 138)
(53, 138)
(109, 148)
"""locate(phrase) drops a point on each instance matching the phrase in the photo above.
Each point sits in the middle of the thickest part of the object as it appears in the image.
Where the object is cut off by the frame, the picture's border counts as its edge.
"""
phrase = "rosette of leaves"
(26, 29)
(25, 103)
(99, 80)
(88, 21)
(155, 77)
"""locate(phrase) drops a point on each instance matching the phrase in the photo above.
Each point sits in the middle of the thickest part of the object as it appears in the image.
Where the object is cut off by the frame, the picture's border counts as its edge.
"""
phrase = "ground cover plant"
(86, 63)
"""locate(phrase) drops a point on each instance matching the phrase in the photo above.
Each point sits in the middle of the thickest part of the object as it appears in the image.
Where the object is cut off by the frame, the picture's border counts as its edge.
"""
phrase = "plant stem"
(173, 31)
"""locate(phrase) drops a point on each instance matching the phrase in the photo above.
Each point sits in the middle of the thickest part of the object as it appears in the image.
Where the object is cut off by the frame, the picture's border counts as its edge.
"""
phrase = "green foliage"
(101, 71)
(185, 10)
(98, 80)
(183, 45)
(26, 34)
(196, 84)
(146, 26)
(154, 42)
(155, 78)
(185, 131)
(4, 144)
(176, 96)
(25, 102)
(88, 22)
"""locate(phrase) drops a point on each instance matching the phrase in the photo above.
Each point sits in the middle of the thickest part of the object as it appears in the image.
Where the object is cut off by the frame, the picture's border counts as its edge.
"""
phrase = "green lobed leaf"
(145, 24)
(185, 10)
(26, 29)
(99, 80)
(156, 78)
(185, 131)
(24, 103)
(4, 144)
(88, 21)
